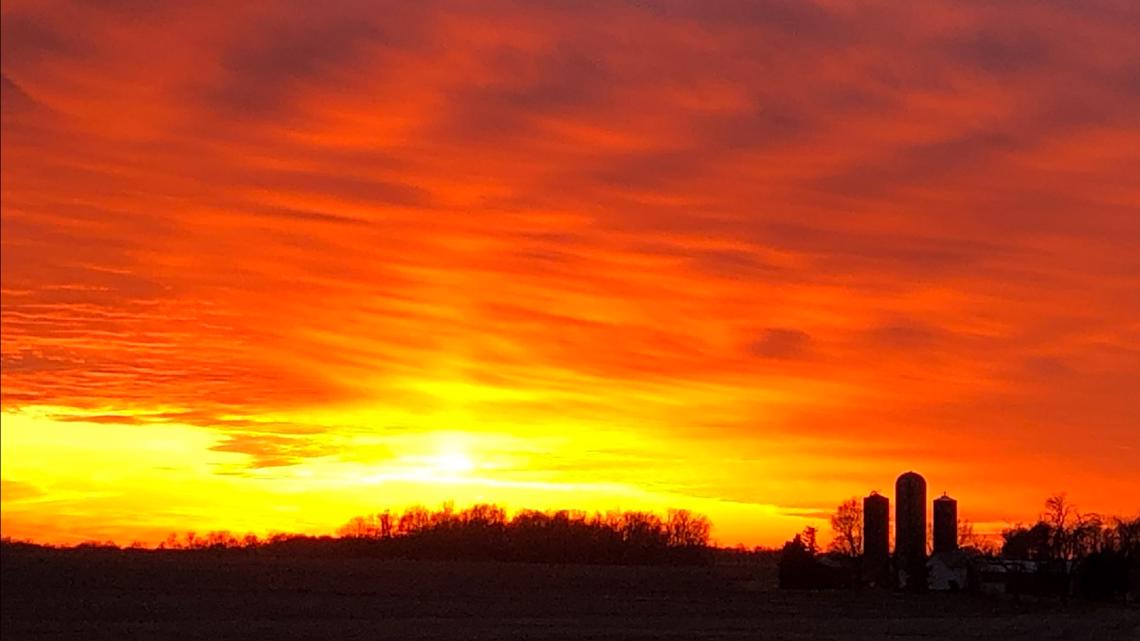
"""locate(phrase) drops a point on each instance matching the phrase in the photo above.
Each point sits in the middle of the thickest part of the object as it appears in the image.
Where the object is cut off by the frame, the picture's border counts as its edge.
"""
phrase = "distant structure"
(945, 524)
(910, 530)
(876, 539)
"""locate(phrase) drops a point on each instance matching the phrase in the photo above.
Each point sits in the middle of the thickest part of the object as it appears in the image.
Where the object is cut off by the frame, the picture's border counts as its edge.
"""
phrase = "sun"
(452, 463)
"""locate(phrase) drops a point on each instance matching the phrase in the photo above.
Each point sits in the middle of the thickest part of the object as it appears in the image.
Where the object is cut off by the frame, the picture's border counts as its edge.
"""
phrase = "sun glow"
(452, 463)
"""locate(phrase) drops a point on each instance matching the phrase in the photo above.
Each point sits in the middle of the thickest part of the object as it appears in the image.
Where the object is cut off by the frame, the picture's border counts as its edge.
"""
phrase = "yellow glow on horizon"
(69, 481)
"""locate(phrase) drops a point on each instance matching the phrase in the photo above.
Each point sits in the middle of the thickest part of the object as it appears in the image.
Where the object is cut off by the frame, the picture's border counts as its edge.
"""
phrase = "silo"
(910, 530)
(945, 524)
(876, 538)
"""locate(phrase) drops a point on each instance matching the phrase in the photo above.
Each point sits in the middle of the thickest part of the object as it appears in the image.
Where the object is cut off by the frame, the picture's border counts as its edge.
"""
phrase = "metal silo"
(945, 524)
(910, 530)
(876, 538)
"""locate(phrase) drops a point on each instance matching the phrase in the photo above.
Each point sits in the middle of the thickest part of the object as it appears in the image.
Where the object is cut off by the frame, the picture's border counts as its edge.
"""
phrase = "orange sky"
(270, 265)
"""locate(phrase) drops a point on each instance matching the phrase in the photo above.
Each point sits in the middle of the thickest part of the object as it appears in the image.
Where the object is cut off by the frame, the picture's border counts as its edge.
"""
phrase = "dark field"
(138, 595)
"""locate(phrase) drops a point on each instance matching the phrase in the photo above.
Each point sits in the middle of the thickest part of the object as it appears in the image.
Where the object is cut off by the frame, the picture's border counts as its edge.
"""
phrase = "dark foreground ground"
(207, 596)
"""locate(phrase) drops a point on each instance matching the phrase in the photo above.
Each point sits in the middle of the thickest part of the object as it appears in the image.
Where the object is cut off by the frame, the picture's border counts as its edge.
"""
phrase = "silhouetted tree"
(171, 542)
(387, 524)
(359, 527)
(800, 566)
(796, 564)
(1027, 543)
(847, 527)
(1058, 515)
(808, 537)
(685, 529)
(413, 520)
(219, 540)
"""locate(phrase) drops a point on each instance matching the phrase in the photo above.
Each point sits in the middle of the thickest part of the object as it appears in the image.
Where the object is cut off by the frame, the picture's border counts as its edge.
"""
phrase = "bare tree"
(414, 519)
(686, 529)
(1126, 535)
(1058, 515)
(847, 525)
(1086, 535)
(358, 527)
(484, 514)
(807, 539)
(1072, 534)
(387, 523)
(1058, 510)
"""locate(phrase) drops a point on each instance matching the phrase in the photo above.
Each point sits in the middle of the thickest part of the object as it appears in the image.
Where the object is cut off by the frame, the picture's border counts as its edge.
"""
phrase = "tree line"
(484, 532)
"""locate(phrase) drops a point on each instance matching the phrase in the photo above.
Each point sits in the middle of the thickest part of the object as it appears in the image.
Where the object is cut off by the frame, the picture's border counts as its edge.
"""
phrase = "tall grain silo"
(876, 538)
(945, 524)
(910, 530)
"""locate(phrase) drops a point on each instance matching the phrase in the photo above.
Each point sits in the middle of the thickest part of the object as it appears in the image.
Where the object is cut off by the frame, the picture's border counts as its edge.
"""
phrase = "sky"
(270, 265)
